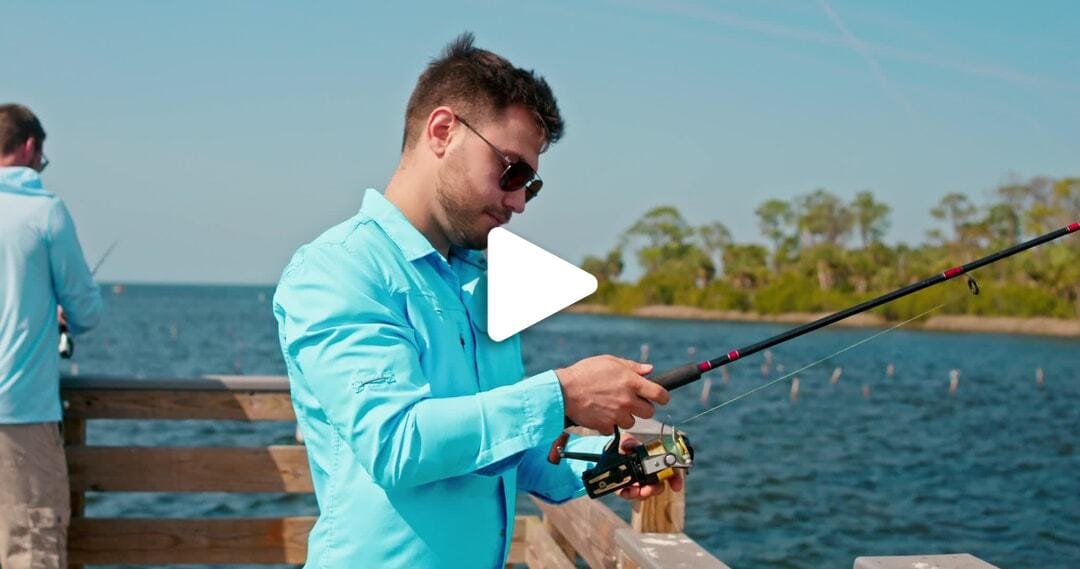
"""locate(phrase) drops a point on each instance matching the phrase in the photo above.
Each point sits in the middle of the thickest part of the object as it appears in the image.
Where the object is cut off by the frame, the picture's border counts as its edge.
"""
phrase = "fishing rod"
(656, 461)
(104, 256)
(67, 344)
(689, 373)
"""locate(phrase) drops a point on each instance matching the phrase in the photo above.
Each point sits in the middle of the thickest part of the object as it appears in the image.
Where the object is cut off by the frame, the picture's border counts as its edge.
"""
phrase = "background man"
(41, 269)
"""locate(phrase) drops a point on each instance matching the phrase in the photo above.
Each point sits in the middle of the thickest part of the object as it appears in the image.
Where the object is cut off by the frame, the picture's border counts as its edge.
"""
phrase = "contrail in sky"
(875, 68)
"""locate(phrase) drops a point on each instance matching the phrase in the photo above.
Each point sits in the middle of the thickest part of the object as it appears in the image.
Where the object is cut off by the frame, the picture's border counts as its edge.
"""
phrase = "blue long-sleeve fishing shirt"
(419, 428)
(41, 264)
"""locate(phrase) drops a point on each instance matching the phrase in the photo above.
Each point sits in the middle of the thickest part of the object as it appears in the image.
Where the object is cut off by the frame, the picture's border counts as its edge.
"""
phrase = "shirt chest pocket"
(445, 340)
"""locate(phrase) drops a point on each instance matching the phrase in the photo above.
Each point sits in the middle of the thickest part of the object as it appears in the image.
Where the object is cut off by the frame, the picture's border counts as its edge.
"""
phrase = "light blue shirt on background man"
(419, 428)
(41, 265)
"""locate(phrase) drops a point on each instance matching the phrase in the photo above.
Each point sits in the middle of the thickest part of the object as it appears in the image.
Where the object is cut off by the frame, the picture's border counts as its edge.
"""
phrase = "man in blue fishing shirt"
(419, 428)
(42, 269)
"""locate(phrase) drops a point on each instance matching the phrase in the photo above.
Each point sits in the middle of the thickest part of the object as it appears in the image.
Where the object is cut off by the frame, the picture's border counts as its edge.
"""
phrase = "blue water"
(991, 470)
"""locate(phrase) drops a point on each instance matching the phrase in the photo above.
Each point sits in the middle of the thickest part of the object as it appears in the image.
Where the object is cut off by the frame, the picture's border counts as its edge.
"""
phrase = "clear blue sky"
(213, 138)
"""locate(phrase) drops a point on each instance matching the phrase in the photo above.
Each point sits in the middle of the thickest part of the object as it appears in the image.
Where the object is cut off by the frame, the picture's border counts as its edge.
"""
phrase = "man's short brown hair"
(17, 124)
(479, 84)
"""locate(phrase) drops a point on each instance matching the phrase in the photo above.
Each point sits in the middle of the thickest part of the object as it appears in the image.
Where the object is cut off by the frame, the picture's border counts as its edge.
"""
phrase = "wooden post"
(75, 435)
(665, 513)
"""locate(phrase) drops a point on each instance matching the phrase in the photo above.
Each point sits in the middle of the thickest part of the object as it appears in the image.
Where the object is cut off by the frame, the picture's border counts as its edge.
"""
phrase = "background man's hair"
(18, 123)
(479, 84)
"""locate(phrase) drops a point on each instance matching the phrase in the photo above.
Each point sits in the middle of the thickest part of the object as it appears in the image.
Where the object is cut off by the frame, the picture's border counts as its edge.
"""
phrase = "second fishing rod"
(67, 343)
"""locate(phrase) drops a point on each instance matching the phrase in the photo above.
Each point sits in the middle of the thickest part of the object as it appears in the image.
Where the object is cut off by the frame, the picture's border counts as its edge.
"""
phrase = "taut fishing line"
(810, 365)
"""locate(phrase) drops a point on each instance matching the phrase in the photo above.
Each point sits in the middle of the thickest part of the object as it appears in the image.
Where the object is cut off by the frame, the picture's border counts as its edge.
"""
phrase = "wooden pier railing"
(583, 528)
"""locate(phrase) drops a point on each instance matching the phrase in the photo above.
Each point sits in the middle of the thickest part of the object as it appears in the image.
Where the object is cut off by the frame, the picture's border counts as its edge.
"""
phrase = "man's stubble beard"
(452, 191)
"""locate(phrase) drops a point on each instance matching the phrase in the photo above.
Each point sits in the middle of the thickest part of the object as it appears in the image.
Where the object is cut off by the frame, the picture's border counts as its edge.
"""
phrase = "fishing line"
(101, 261)
(810, 365)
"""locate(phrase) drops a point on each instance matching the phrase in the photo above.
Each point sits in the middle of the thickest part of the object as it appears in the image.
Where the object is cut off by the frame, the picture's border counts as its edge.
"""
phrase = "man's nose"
(515, 200)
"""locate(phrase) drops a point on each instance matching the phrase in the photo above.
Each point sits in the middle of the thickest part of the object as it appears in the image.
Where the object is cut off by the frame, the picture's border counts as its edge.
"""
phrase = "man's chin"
(478, 243)
(476, 240)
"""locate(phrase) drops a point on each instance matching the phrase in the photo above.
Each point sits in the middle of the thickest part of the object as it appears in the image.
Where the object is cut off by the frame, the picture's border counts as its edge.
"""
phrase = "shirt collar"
(408, 238)
(470, 256)
(401, 231)
(21, 180)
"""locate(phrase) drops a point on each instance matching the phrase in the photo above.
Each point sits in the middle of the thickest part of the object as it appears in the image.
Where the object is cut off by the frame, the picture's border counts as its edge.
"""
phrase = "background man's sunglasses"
(517, 175)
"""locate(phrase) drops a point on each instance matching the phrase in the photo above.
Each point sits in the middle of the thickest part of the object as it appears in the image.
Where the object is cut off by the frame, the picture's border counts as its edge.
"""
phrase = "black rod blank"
(689, 373)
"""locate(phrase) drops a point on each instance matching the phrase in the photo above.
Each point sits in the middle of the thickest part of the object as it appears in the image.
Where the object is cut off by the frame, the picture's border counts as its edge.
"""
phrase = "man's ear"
(439, 131)
(27, 151)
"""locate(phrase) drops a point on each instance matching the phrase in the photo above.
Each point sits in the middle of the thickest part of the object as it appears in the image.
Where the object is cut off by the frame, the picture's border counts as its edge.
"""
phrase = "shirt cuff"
(542, 399)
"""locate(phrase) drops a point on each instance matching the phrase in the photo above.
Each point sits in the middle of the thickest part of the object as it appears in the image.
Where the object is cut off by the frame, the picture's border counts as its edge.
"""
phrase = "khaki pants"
(34, 497)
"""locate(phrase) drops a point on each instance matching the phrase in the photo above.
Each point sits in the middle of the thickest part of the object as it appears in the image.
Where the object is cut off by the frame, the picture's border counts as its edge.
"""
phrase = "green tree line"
(825, 253)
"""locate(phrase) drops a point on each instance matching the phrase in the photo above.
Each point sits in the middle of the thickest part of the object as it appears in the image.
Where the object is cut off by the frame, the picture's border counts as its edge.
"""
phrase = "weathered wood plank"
(201, 383)
(589, 526)
(134, 541)
(564, 544)
(165, 404)
(665, 551)
(164, 469)
(517, 542)
(541, 551)
(950, 561)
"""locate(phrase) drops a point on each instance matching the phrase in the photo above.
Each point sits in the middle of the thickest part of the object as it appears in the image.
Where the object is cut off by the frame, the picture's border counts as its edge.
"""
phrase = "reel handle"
(556, 453)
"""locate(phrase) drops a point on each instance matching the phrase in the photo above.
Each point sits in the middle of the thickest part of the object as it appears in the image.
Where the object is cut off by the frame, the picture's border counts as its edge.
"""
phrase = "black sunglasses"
(517, 175)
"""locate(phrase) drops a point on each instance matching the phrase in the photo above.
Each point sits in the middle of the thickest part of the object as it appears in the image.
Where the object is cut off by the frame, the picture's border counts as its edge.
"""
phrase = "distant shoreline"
(944, 323)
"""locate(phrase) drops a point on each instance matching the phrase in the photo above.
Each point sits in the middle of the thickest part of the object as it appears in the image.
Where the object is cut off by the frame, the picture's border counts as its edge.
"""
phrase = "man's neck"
(10, 161)
(416, 201)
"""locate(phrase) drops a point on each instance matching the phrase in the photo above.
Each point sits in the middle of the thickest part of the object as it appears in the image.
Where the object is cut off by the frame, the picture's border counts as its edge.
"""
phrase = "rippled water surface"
(865, 465)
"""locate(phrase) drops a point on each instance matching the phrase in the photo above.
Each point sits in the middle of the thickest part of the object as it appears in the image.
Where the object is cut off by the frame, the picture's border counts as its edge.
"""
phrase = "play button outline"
(526, 284)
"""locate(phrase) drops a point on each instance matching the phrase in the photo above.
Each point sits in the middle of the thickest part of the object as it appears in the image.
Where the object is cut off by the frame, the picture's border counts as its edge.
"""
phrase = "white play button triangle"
(526, 284)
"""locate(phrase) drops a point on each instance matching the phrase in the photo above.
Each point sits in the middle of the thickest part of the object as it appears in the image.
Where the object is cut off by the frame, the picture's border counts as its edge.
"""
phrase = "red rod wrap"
(953, 272)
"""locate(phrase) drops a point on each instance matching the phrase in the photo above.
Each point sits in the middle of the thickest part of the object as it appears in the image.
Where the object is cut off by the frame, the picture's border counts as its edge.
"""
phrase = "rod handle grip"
(679, 376)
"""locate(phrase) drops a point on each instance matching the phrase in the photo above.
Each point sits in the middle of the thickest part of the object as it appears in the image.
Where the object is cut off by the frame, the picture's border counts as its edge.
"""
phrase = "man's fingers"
(640, 368)
(641, 408)
(635, 492)
(653, 391)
